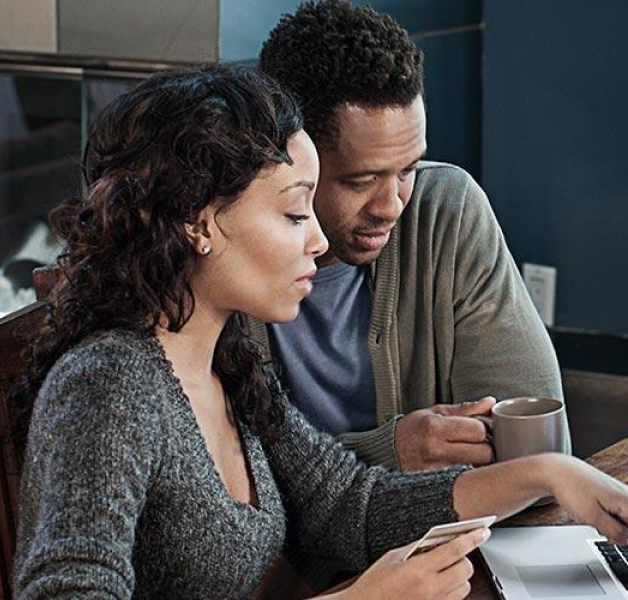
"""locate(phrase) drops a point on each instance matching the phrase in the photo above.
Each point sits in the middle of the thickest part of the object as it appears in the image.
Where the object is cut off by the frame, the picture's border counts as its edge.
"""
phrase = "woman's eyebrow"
(310, 185)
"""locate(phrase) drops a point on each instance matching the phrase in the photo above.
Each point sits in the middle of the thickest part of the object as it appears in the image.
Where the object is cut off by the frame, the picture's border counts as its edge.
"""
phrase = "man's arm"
(376, 446)
(430, 438)
(502, 347)
(493, 338)
(444, 435)
(421, 441)
(488, 331)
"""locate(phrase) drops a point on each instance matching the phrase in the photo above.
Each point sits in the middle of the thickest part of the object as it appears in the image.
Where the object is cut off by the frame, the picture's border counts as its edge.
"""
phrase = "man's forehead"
(368, 135)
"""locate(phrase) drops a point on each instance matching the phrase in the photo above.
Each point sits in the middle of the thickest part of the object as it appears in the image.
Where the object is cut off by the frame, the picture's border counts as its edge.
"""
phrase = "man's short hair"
(329, 53)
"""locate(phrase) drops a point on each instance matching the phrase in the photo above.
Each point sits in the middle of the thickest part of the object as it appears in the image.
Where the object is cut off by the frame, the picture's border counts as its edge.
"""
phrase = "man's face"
(367, 177)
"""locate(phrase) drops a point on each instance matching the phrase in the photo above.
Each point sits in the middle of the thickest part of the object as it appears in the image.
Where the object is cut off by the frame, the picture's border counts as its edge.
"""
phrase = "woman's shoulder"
(102, 398)
(114, 349)
(108, 364)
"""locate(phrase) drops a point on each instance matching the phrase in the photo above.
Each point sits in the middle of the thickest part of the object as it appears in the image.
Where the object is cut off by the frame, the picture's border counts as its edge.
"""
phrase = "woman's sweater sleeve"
(94, 446)
(339, 507)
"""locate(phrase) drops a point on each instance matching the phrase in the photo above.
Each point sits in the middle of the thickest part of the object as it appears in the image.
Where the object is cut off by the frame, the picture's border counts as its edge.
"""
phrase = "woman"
(162, 461)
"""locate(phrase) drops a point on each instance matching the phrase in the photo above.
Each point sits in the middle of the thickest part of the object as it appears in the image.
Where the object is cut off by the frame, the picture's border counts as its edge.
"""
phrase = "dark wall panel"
(555, 147)
(449, 33)
(453, 91)
(430, 15)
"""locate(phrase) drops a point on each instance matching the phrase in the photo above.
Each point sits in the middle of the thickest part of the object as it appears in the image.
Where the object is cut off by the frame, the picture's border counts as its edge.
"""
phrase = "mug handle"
(488, 424)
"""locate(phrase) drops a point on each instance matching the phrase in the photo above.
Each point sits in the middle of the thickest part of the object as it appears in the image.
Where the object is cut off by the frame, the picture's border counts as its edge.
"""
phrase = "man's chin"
(359, 258)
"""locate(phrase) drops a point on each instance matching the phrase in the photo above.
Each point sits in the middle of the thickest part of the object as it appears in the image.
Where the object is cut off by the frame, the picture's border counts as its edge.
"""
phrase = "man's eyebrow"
(365, 172)
(306, 183)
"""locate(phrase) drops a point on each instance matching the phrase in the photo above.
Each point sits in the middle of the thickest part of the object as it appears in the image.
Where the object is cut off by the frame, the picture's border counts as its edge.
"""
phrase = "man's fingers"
(460, 440)
(461, 429)
(468, 409)
(482, 406)
(463, 453)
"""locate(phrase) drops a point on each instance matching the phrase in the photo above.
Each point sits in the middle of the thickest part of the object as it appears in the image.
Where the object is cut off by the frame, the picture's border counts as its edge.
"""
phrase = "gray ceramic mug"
(527, 425)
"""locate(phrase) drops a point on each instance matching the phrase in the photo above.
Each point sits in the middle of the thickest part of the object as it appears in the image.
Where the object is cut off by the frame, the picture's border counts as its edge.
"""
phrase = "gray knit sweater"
(120, 498)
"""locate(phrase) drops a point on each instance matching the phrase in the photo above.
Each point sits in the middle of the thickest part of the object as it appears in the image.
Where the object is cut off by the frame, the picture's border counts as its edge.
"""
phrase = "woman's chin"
(279, 316)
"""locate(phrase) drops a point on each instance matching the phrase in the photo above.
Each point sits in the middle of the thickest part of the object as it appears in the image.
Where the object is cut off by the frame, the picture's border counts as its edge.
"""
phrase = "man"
(418, 316)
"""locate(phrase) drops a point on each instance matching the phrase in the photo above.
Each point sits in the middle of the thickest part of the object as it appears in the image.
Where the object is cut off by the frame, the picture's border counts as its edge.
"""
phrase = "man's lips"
(372, 239)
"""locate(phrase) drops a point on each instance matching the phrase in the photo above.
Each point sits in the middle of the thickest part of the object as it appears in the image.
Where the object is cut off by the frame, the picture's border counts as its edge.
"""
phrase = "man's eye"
(405, 174)
(359, 184)
(298, 219)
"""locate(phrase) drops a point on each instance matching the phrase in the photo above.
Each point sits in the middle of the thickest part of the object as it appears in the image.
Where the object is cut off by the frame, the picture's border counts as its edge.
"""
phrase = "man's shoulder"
(441, 174)
(445, 186)
(443, 193)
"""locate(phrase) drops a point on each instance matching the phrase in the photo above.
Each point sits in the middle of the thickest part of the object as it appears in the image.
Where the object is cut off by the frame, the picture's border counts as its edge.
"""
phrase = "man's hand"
(444, 435)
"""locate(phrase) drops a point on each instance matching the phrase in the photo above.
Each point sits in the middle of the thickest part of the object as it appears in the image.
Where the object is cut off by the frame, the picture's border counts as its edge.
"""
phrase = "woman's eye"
(298, 219)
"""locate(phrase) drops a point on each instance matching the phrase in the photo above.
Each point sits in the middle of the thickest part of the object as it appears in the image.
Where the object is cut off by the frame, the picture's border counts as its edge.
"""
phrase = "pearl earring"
(206, 249)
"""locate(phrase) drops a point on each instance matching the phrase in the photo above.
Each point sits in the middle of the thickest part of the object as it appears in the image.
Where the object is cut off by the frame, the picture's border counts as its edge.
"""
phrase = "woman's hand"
(441, 573)
(590, 496)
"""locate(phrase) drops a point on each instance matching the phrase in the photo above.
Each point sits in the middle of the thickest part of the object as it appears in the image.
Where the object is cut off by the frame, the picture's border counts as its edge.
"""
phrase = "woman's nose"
(317, 242)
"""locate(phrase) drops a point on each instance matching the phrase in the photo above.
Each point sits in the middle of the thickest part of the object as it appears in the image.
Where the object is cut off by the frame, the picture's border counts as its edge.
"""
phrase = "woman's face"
(265, 243)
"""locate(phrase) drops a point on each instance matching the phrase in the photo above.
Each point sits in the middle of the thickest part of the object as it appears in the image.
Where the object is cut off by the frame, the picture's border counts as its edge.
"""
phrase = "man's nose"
(387, 205)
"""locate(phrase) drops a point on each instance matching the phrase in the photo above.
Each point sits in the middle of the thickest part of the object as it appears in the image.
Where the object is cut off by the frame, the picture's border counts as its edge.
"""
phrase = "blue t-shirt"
(325, 363)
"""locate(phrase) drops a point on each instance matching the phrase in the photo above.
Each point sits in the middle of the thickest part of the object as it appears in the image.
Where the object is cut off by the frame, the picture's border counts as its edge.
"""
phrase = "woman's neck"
(192, 347)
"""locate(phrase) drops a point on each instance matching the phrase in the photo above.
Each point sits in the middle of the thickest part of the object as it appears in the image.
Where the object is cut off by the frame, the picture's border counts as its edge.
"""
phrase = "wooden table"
(612, 460)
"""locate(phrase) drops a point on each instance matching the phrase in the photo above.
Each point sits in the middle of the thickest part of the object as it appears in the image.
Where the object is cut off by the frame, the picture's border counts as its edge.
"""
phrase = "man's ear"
(199, 232)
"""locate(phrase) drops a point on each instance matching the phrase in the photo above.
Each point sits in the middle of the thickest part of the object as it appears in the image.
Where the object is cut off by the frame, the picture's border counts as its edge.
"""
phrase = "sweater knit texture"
(451, 319)
(120, 497)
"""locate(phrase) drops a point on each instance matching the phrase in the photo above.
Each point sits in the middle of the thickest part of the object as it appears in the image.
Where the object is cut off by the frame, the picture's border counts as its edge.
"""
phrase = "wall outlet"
(541, 283)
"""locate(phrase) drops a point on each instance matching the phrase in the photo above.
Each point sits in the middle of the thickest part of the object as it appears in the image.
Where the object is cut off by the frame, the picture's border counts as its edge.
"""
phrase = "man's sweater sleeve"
(500, 338)
(375, 446)
(339, 507)
(502, 347)
(94, 447)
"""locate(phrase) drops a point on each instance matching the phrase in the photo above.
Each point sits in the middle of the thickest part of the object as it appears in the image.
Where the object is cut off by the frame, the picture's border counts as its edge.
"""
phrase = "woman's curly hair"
(155, 158)
(329, 53)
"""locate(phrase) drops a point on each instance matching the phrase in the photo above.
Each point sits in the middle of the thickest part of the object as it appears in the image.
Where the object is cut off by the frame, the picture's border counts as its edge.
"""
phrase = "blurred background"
(530, 97)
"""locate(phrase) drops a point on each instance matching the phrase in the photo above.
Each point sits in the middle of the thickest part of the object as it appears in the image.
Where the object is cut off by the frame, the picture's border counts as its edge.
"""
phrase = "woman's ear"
(199, 232)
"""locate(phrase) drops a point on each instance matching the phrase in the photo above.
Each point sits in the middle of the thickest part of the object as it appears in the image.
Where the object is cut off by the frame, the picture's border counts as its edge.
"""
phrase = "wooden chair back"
(597, 407)
(15, 331)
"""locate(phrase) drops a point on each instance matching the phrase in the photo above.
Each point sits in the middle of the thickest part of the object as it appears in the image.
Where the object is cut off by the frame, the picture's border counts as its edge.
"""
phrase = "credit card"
(439, 534)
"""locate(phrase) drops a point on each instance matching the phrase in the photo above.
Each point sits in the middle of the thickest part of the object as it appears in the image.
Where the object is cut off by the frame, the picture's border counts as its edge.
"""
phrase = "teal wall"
(450, 34)
(244, 25)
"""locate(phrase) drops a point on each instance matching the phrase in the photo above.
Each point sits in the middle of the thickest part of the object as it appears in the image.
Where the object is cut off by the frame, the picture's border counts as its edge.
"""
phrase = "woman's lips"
(305, 285)
(305, 282)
